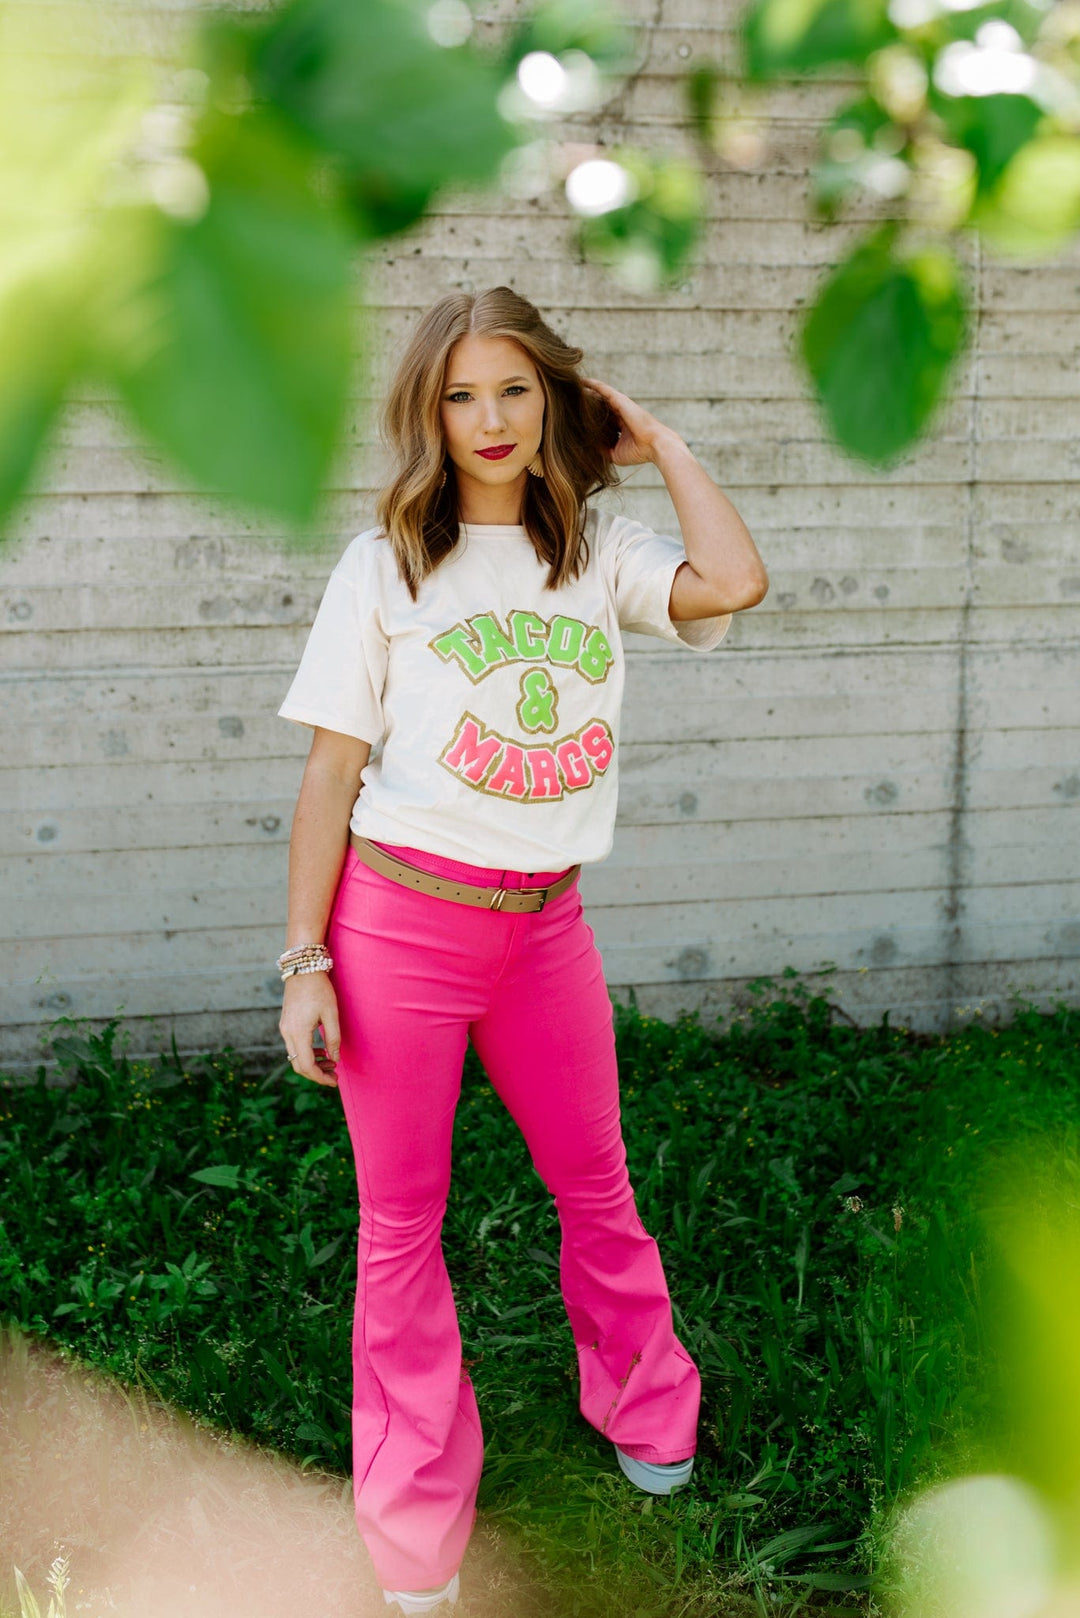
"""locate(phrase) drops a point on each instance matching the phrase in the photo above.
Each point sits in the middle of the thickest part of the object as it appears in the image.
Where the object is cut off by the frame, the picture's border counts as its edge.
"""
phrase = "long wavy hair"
(418, 510)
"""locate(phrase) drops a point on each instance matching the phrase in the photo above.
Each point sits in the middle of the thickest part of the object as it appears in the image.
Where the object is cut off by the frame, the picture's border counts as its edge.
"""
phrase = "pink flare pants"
(415, 978)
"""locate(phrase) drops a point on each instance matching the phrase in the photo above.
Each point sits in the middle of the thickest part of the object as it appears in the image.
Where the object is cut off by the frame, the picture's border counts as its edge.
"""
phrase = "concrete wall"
(878, 771)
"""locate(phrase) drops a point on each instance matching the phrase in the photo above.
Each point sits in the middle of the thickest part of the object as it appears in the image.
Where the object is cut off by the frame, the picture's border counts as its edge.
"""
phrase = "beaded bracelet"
(300, 952)
(322, 964)
(304, 958)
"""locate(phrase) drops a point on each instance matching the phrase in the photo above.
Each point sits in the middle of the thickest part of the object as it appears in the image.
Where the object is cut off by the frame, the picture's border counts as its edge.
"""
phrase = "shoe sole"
(655, 1479)
(410, 1602)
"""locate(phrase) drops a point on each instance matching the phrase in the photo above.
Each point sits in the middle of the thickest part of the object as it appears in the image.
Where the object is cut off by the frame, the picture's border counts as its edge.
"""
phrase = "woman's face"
(493, 397)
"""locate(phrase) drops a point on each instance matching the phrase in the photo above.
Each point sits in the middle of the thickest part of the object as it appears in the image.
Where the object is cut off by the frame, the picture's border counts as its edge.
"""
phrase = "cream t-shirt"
(492, 703)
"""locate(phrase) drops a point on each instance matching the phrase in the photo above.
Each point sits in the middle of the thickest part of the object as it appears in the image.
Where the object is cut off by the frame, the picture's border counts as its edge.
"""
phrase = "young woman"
(463, 678)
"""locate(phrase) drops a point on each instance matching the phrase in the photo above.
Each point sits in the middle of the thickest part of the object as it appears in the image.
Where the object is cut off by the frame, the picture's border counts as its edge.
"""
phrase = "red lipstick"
(497, 451)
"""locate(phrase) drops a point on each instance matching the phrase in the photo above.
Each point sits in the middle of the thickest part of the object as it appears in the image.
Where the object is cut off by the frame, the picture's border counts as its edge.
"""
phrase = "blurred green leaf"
(847, 141)
(592, 26)
(964, 22)
(880, 340)
(783, 37)
(701, 87)
(38, 359)
(648, 241)
(400, 115)
(1035, 206)
(246, 348)
(1031, 1208)
(65, 119)
(993, 128)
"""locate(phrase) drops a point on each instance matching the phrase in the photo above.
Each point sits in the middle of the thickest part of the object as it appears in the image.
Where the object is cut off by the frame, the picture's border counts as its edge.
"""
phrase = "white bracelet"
(300, 952)
(322, 965)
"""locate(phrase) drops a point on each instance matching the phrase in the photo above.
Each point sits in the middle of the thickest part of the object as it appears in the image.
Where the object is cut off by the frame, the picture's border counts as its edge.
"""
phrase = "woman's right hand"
(309, 1000)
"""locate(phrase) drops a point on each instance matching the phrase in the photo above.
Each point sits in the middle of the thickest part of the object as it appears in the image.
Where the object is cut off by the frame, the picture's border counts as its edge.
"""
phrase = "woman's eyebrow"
(502, 384)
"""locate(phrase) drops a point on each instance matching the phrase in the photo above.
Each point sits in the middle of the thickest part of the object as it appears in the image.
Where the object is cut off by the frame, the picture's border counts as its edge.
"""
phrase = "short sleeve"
(642, 566)
(339, 683)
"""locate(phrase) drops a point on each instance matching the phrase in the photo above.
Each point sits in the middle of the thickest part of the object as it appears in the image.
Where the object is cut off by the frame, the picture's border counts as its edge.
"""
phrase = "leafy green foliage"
(398, 114)
(811, 1186)
(61, 252)
(964, 22)
(782, 37)
(880, 341)
(39, 343)
(244, 360)
(1035, 206)
(572, 25)
(957, 126)
(992, 127)
(847, 140)
(647, 240)
(207, 272)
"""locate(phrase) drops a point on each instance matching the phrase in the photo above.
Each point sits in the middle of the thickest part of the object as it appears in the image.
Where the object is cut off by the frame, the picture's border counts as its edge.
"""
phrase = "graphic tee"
(492, 703)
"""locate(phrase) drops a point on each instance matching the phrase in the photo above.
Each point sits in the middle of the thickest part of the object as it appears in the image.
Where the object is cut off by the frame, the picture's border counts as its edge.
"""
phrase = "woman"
(472, 639)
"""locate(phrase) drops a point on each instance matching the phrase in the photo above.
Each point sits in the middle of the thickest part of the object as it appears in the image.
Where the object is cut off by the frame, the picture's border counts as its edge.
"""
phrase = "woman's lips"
(497, 452)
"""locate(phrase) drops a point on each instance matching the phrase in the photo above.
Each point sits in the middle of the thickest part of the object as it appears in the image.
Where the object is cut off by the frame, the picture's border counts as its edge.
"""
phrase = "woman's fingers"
(323, 1060)
(331, 1031)
(307, 1006)
(311, 1061)
(635, 423)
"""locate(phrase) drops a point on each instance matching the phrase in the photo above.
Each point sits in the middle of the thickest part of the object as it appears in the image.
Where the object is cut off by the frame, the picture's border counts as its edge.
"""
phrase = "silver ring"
(291, 1055)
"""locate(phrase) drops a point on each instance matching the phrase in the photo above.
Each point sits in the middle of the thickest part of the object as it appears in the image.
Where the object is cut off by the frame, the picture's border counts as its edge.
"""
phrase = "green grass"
(813, 1187)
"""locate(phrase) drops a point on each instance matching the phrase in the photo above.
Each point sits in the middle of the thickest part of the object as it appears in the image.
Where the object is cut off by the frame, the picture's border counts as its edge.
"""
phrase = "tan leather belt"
(411, 876)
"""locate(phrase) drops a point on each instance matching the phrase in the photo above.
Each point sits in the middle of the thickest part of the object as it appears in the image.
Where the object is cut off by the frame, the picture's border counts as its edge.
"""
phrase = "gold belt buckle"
(496, 901)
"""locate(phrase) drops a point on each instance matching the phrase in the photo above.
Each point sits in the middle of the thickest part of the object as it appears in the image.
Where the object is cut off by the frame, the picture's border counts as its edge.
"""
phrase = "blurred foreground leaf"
(400, 115)
(799, 36)
(1035, 206)
(647, 241)
(244, 356)
(881, 340)
(64, 120)
(559, 26)
(1002, 1540)
(1035, 1222)
(993, 128)
(848, 146)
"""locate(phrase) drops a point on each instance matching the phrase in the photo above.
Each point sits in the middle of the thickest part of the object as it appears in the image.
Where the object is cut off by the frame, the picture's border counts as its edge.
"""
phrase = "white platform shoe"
(425, 1600)
(656, 1479)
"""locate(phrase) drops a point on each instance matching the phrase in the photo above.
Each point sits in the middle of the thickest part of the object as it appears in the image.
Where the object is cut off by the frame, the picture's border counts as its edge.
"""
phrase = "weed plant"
(190, 1226)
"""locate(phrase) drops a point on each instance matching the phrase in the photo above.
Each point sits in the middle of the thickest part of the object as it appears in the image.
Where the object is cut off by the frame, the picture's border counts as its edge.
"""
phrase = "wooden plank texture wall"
(878, 771)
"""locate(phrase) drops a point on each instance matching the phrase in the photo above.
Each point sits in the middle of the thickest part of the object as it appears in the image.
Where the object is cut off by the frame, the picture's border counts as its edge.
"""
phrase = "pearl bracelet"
(300, 950)
(304, 958)
(322, 964)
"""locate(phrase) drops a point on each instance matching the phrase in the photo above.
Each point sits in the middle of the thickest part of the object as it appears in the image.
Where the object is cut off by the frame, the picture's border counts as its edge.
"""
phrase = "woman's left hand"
(639, 432)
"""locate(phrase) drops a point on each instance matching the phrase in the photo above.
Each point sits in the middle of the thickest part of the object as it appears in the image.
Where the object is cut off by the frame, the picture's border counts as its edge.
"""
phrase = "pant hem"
(435, 1582)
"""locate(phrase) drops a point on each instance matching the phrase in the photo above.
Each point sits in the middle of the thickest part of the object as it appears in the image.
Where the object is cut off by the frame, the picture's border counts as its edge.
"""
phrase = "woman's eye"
(515, 387)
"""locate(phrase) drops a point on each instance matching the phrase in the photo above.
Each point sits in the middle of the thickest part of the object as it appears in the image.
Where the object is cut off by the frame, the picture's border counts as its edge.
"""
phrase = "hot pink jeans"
(416, 977)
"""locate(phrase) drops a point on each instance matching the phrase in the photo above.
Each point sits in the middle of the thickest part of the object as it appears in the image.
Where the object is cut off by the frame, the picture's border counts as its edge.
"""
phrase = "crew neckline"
(492, 528)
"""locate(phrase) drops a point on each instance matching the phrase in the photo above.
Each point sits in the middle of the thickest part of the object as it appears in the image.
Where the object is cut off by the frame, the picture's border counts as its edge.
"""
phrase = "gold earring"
(536, 466)
(442, 480)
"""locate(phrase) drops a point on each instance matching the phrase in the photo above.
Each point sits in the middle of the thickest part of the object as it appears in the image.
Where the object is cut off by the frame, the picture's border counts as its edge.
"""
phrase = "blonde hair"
(418, 511)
